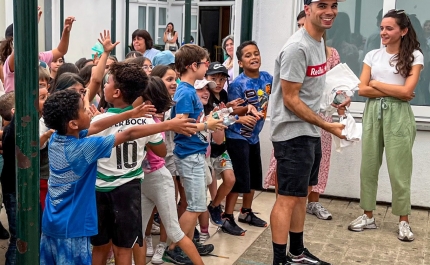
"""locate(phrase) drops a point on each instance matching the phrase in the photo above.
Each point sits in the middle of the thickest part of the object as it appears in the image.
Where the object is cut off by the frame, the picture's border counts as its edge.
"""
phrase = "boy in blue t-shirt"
(70, 216)
(242, 139)
(189, 153)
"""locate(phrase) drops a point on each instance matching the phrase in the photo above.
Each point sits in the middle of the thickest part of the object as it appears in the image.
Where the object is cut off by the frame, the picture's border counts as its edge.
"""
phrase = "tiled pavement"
(329, 240)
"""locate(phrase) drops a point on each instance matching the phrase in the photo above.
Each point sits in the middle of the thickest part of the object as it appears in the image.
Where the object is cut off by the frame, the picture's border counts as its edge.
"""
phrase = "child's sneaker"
(251, 219)
(158, 254)
(155, 230)
(149, 247)
(176, 256)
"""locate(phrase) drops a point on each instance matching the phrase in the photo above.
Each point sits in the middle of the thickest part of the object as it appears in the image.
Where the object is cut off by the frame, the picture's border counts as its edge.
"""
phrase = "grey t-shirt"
(301, 60)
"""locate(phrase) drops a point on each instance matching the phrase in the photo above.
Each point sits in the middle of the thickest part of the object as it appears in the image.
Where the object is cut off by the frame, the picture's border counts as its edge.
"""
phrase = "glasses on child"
(147, 67)
(207, 63)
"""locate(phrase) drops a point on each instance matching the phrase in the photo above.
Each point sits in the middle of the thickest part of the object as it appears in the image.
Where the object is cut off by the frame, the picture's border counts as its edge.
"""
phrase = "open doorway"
(214, 26)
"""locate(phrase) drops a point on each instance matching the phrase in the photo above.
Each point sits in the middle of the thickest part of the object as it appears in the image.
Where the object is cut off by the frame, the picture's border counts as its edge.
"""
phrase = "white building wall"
(6, 18)
(274, 22)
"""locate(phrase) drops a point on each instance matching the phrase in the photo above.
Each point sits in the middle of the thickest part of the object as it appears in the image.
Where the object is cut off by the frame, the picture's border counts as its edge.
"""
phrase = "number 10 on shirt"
(123, 153)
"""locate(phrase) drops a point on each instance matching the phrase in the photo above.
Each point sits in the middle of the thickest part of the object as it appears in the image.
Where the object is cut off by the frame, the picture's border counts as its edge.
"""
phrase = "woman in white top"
(170, 38)
(228, 47)
(388, 80)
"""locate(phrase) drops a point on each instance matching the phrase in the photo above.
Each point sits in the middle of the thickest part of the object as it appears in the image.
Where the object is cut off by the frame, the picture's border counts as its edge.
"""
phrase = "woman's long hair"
(408, 44)
(6, 49)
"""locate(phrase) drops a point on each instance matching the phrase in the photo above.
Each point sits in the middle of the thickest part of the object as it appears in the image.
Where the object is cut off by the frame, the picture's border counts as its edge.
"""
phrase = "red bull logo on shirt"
(317, 70)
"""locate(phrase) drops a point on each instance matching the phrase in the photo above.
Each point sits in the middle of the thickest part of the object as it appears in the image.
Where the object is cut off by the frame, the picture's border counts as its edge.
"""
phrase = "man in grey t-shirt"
(298, 85)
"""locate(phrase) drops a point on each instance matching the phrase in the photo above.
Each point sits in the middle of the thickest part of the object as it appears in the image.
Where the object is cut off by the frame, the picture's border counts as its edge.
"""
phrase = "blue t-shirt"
(150, 54)
(187, 102)
(254, 91)
(71, 202)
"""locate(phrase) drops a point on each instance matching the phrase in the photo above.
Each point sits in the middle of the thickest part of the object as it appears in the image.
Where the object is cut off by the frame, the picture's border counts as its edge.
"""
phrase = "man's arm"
(290, 95)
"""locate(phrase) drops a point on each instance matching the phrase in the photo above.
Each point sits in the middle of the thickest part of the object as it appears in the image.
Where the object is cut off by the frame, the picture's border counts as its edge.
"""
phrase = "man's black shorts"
(119, 216)
(298, 162)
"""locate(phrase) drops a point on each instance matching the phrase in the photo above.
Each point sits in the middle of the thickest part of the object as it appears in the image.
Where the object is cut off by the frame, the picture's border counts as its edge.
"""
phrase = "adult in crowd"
(171, 38)
(426, 28)
(143, 43)
(295, 134)
(228, 47)
(389, 78)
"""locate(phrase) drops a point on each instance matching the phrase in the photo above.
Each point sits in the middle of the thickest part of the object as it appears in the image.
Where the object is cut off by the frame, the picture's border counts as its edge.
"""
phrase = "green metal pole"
(127, 25)
(61, 17)
(113, 24)
(246, 22)
(27, 131)
(187, 33)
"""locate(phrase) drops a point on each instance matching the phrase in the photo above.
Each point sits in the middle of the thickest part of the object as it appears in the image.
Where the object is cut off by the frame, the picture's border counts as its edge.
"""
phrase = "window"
(420, 20)
(153, 18)
(355, 32)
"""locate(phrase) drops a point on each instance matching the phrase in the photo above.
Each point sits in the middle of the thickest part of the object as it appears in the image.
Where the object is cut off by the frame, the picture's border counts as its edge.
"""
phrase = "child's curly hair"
(129, 79)
(60, 108)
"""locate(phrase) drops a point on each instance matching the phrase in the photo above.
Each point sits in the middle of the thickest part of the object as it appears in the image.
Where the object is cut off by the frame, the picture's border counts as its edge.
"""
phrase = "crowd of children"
(126, 145)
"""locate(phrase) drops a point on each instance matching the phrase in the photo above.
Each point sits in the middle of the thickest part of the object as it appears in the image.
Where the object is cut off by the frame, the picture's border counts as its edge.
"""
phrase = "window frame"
(422, 113)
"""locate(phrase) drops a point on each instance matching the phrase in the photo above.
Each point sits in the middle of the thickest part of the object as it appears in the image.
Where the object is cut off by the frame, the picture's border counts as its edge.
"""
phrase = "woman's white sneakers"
(364, 222)
(361, 223)
(405, 232)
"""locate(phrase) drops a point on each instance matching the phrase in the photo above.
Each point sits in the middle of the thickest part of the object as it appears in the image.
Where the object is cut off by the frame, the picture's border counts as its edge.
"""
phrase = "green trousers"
(387, 123)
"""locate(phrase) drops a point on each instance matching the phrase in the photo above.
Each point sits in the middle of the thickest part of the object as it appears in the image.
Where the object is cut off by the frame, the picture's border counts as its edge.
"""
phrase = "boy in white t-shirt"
(118, 189)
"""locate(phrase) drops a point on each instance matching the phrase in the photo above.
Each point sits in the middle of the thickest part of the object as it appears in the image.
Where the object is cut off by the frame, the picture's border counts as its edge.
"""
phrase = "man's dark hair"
(301, 15)
(158, 95)
(129, 79)
(240, 48)
(187, 55)
(7, 103)
(60, 108)
(82, 62)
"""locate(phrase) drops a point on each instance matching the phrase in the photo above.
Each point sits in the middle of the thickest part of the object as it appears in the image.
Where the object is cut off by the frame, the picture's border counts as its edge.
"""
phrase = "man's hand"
(248, 120)
(335, 128)
(106, 41)
(68, 23)
(143, 110)
(182, 126)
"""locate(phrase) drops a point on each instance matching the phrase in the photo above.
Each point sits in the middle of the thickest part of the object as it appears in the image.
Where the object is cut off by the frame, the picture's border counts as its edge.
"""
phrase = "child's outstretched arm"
(211, 123)
(181, 126)
(140, 111)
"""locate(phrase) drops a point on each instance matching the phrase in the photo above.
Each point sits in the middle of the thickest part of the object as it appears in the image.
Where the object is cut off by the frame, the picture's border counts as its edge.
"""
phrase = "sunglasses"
(207, 63)
(397, 11)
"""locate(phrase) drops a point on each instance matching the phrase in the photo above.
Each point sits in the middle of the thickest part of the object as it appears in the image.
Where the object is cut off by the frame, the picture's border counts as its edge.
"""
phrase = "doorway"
(214, 26)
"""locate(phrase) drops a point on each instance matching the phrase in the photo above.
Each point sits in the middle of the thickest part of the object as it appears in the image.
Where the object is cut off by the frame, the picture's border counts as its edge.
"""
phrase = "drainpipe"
(26, 131)
(187, 35)
(61, 17)
(113, 24)
(246, 22)
(127, 25)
